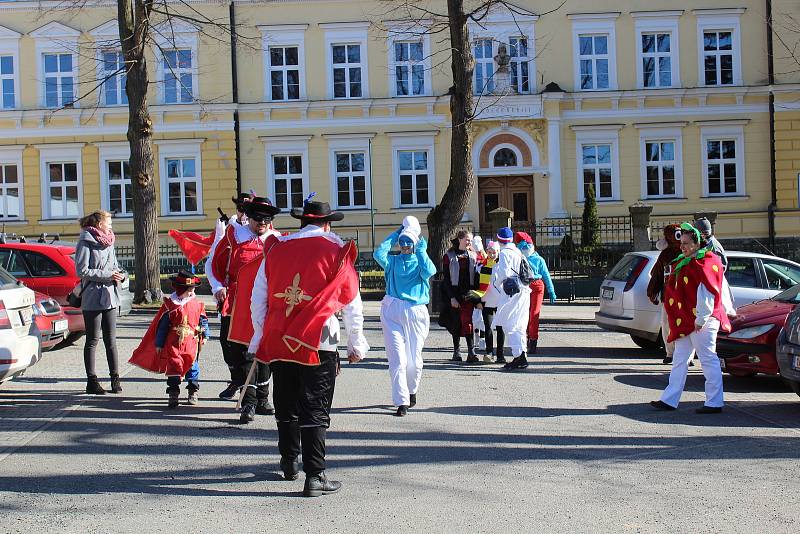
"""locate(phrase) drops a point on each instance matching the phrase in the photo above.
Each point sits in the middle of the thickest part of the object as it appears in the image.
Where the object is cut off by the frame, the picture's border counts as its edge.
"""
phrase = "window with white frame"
(10, 191)
(182, 183)
(721, 166)
(178, 76)
(594, 61)
(63, 189)
(484, 66)
(120, 189)
(414, 177)
(351, 179)
(115, 77)
(720, 49)
(7, 82)
(287, 180)
(597, 170)
(346, 70)
(656, 51)
(59, 79)
(520, 64)
(409, 68)
(284, 72)
(718, 57)
(660, 163)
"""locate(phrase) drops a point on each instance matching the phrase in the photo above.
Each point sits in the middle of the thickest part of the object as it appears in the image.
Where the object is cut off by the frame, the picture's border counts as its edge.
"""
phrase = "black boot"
(471, 356)
(319, 484)
(501, 340)
(248, 413)
(413, 398)
(289, 447)
(290, 468)
(520, 362)
(116, 387)
(93, 386)
(263, 407)
(174, 396)
(456, 350)
(402, 411)
(532, 346)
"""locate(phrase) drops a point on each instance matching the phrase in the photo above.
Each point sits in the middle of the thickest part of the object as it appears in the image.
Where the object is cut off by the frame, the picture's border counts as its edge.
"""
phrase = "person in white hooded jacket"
(513, 309)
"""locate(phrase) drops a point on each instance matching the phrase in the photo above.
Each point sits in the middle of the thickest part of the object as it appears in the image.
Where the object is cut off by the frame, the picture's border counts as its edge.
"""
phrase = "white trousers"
(405, 328)
(668, 346)
(705, 343)
(512, 316)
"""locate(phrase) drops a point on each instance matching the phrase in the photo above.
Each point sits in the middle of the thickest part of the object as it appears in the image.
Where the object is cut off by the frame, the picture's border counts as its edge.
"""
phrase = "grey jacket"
(716, 248)
(96, 265)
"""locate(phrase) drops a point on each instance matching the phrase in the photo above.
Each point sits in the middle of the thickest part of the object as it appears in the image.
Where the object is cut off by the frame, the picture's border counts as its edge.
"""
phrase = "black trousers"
(97, 322)
(303, 395)
(235, 355)
(224, 328)
(488, 315)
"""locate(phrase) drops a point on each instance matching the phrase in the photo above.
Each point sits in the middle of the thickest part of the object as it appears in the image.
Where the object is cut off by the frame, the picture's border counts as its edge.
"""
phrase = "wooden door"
(511, 192)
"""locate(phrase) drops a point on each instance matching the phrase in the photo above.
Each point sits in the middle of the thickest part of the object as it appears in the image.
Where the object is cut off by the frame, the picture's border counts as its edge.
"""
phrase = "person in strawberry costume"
(697, 307)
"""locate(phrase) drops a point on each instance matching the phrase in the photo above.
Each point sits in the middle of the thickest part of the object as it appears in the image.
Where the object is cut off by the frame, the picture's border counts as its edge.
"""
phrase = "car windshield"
(6, 280)
(791, 295)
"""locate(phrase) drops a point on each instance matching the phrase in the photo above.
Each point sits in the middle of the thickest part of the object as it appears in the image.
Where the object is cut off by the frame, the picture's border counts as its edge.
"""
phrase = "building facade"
(667, 103)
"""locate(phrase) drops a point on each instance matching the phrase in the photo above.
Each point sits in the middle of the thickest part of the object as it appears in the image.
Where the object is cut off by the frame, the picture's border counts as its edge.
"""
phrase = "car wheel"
(646, 343)
(69, 340)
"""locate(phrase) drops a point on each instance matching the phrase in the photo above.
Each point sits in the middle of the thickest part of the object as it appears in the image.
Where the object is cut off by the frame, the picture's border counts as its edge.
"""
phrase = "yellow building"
(651, 101)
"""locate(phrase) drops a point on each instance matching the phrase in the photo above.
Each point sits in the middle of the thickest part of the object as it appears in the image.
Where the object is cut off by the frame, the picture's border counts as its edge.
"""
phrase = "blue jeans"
(192, 378)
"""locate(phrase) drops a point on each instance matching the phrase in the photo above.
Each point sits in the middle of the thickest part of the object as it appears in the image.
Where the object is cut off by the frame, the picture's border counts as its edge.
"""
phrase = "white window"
(7, 82)
(181, 177)
(59, 80)
(346, 70)
(287, 180)
(409, 68)
(178, 76)
(661, 157)
(520, 64)
(115, 76)
(10, 184)
(120, 190)
(598, 161)
(414, 169)
(718, 36)
(484, 66)
(351, 179)
(61, 178)
(284, 72)
(657, 49)
(594, 44)
(656, 59)
(723, 159)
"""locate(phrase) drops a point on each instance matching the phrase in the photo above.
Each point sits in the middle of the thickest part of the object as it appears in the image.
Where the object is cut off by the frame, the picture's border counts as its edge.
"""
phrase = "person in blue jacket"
(404, 310)
(541, 282)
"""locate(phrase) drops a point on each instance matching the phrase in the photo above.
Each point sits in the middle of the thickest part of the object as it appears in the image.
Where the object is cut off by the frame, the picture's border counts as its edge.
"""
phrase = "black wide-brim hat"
(183, 278)
(242, 199)
(317, 211)
(261, 206)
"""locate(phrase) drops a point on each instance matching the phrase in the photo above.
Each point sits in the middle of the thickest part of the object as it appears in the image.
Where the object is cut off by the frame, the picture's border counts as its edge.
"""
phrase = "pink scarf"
(106, 239)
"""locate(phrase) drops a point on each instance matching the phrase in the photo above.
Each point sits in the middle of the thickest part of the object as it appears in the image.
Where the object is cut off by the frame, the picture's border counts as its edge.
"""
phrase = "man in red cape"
(304, 280)
(241, 246)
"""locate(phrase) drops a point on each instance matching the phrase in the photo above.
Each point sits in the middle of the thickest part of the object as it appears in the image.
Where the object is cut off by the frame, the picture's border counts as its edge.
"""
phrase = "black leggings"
(488, 315)
(97, 321)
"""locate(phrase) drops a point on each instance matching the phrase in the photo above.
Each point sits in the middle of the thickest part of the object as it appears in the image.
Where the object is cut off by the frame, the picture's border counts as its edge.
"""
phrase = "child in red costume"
(174, 338)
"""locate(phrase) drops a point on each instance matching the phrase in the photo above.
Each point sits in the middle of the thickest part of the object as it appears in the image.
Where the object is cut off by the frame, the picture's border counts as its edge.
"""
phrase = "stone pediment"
(55, 30)
(8, 33)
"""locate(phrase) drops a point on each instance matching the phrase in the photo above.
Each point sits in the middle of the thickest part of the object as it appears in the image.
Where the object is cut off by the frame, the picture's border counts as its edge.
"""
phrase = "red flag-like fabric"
(193, 245)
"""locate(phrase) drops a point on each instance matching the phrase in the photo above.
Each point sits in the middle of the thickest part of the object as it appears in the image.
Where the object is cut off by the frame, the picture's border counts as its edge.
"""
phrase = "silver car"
(787, 350)
(624, 306)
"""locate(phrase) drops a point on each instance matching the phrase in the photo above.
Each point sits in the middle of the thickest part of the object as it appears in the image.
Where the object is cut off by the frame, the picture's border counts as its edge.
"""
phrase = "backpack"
(523, 278)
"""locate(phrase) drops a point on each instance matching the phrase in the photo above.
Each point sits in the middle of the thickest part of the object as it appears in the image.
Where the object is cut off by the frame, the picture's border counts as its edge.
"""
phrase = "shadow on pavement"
(696, 383)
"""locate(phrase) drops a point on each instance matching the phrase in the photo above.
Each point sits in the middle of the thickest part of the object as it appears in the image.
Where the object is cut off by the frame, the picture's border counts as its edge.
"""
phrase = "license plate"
(796, 363)
(722, 364)
(59, 326)
(608, 293)
(26, 315)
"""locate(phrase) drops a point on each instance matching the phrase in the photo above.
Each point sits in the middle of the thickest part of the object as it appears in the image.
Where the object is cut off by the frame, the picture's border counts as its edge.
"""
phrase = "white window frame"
(516, 60)
(119, 86)
(503, 25)
(9, 46)
(669, 133)
(732, 130)
(338, 143)
(56, 38)
(413, 141)
(347, 33)
(598, 135)
(111, 151)
(106, 37)
(284, 35)
(285, 145)
(595, 24)
(12, 155)
(179, 149)
(711, 20)
(409, 33)
(517, 153)
(289, 177)
(59, 153)
(178, 35)
(658, 22)
(488, 84)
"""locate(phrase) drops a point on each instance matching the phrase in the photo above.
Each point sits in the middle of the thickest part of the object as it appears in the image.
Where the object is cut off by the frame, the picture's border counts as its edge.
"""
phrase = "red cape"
(193, 245)
(241, 330)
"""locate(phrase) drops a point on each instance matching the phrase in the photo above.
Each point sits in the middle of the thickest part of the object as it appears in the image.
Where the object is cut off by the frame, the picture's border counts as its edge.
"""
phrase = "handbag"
(75, 297)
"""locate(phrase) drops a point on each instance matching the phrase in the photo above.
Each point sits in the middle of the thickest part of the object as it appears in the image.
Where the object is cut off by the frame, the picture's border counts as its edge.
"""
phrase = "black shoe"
(320, 485)
(116, 387)
(174, 399)
(248, 413)
(290, 468)
(456, 357)
(230, 392)
(413, 398)
(520, 362)
(263, 407)
(532, 346)
(661, 405)
(93, 387)
(667, 360)
(402, 411)
(709, 409)
(500, 358)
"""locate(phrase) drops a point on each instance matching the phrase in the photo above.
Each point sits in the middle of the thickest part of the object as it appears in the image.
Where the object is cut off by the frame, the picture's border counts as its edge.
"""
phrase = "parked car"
(50, 269)
(788, 350)
(624, 306)
(19, 336)
(51, 320)
(749, 348)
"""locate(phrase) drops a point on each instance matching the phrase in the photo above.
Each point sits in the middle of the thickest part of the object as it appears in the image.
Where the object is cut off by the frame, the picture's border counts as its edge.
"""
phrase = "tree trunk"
(445, 217)
(134, 20)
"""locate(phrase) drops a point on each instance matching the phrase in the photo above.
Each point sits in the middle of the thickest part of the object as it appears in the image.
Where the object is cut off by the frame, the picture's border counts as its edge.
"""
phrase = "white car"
(19, 336)
(624, 306)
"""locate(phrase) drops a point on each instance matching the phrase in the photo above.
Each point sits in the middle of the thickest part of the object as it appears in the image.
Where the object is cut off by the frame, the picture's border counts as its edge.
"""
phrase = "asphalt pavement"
(569, 445)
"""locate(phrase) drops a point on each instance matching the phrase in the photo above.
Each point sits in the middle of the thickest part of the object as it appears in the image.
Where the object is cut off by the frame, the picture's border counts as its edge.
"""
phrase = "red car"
(51, 321)
(749, 348)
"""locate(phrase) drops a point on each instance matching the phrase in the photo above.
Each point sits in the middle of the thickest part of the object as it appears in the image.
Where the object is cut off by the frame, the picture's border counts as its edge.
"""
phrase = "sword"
(246, 382)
